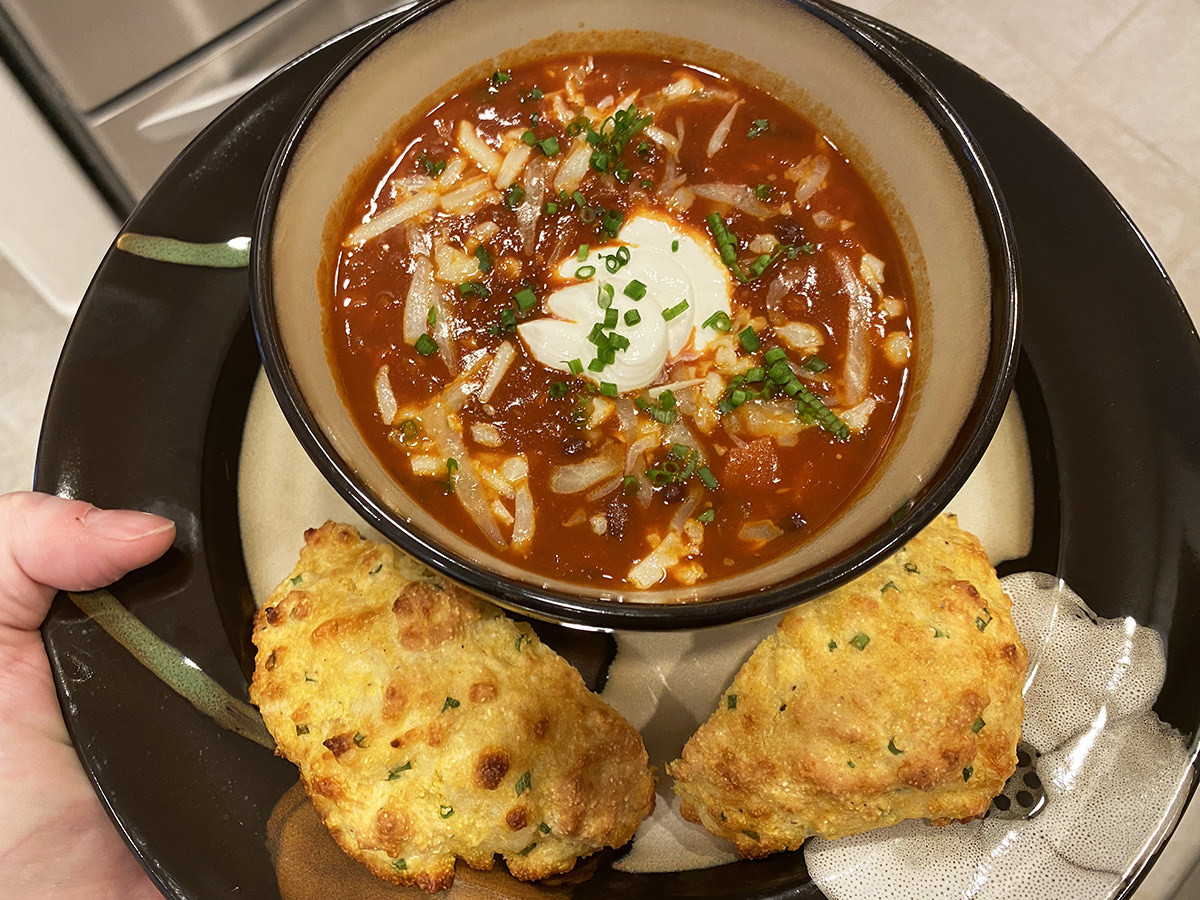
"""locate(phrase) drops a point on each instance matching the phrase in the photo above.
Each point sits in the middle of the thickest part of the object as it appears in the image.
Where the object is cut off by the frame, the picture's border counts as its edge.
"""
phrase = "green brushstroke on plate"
(231, 254)
(173, 668)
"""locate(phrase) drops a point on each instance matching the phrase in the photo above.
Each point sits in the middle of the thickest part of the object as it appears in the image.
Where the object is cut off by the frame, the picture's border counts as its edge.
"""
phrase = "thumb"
(49, 543)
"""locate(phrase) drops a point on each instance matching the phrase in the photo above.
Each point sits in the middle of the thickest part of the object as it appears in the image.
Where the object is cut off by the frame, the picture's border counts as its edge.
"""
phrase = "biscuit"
(896, 696)
(429, 727)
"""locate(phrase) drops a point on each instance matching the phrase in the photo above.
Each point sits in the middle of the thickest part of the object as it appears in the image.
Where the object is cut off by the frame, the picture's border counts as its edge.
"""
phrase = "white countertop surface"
(1118, 80)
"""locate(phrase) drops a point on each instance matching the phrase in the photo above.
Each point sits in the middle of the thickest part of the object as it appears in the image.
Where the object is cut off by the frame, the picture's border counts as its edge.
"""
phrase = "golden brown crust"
(896, 696)
(427, 726)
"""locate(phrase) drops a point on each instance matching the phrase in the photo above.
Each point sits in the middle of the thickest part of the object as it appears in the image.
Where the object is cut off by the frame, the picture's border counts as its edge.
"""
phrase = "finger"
(48, 542)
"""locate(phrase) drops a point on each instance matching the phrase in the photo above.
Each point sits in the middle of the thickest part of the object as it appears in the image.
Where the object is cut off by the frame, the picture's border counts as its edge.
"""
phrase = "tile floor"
(1118, 80)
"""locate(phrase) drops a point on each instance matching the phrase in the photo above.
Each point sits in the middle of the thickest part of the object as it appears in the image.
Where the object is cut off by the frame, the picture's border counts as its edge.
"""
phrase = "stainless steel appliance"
(127, 83)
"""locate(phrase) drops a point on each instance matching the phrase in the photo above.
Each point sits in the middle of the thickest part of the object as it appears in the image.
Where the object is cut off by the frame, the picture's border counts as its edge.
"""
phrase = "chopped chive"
(544, 828)
(709, 479)
(666, 399)
(576, 366)
(635, 290)
(675, 246)
(485, 258)
(611, 221)
(604, 295)
(514, 196)
(608, 389)
(583, 273)
(610, 317)
(527, 849)
(893, 749)
(727, 244)
(774, 355)
(632, 317)
(425, 345)
(718, 321)
(890, 585)
(360, 739)
(549, 146)
(297, 579)
(978, 726)
(499, 77)
(530, 138)
(401, 864)
(448, 484)
(525, 299)
(433, 167)
(755, 375)
(860, 641)
(550, 208)
(816, 365)
(968, 771)
(301, 730)
(706, 517)
(445, 811)
(763, 192)
(831, 646)
(450, 703)
(731, 701)
(781, 373)
(760, 265)
(559, 389)
(471, 289)
(396, 771)
(669, 314)
(758, 128)
(618, 341)
(911, 568)
(431, 317)
(629, 484)
(812, 408)
(749, 339)
(524, 783)
(614, 262)
(508, 319)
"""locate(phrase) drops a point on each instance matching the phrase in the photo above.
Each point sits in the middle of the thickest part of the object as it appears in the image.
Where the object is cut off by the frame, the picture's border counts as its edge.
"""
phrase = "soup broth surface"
(621, 319)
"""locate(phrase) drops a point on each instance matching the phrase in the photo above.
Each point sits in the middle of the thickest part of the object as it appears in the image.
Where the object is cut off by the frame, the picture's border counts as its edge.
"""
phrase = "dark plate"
(150, 397)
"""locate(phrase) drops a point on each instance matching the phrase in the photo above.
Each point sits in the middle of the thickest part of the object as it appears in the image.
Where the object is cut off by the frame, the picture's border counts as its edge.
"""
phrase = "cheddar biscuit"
(896, 696)
(427, 726)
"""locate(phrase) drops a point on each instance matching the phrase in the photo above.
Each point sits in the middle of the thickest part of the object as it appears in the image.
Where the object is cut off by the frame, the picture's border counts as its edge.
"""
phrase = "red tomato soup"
(620, 319)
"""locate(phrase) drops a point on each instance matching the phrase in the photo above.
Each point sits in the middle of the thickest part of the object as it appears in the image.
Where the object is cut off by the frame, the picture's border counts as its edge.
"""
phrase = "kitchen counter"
(1116, 79)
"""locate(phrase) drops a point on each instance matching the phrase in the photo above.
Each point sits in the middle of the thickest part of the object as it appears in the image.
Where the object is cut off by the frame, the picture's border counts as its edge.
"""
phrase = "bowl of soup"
(636, 316)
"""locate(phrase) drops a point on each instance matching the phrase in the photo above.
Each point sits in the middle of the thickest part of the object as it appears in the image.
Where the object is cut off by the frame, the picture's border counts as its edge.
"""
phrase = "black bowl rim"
(962, 458)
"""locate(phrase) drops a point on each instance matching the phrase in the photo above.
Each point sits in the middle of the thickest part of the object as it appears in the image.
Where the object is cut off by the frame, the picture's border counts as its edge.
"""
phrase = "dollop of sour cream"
(685, 284)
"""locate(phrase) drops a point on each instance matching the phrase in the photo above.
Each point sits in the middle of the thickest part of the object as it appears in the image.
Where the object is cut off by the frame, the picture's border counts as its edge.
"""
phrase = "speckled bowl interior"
(874, 106)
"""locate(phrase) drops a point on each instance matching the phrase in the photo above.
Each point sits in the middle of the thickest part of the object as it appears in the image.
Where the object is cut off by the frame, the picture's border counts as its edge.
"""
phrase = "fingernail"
(125, 524)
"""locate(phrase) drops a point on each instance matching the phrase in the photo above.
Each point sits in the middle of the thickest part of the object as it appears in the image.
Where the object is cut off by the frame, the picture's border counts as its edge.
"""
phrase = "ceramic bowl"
(874, 105)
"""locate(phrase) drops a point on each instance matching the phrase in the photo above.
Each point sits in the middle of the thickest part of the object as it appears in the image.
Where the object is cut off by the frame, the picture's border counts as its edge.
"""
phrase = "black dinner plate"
(150, 397)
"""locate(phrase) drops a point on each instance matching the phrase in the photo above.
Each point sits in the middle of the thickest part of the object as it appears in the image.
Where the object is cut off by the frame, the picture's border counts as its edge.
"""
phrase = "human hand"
(56, 840)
